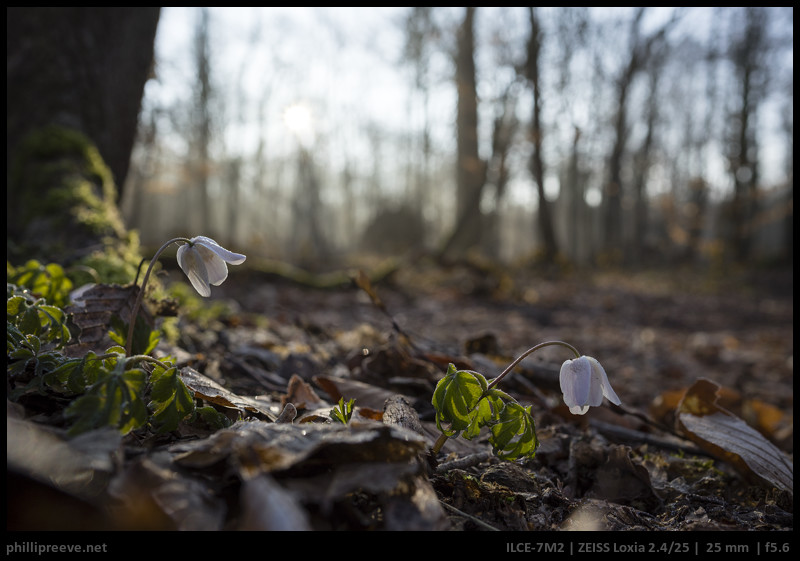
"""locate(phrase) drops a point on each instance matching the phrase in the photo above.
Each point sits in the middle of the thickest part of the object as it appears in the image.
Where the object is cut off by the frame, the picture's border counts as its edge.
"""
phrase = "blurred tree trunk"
(747, 55)
(550, 248)
(420, 31)
(498, 173)
(641, 168)
(699, 132)
(75, 79)
(612, 195)
(200, 162)
(233, 179)
(470, 169)
(788, 217)
(641, 49)
(577, 204)
(309, 245)
(133, 201)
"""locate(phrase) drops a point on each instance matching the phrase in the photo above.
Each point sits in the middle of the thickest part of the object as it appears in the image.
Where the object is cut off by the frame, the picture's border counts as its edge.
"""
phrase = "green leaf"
(115, 399)
(36, 317)
(53, 319)
(48, 282)
(14, 336)
(171, 401)
(14, 305)
(213, 418)
(514, 434)
(30, 323)
(69, 374)
(455, 398)
(86, 412)
(144, 339)
(487, 410)
(343, 411)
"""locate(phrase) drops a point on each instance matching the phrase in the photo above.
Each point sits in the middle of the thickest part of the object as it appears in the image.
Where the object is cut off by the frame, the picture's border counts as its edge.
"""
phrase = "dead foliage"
(702, 441)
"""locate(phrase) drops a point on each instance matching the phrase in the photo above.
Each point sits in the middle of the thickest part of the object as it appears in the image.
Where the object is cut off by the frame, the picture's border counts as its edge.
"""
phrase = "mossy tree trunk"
(75, 79)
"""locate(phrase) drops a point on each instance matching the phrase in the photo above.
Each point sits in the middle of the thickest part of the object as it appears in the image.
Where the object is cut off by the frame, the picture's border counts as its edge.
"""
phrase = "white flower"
(204, 262)
(584, 383)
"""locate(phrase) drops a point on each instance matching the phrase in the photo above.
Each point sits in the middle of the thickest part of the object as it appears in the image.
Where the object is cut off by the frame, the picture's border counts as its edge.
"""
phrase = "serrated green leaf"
(69, 375)
(34, 343)
(49, 282)
(455, 399)
(86, 412)
(514, 434)
(115, 399)
(144, 339)
(213, 418)
(29, 323)
(14, 305)
(23, 353)
(13, 334)
(171, 401)
(56, 315)
(480, 416)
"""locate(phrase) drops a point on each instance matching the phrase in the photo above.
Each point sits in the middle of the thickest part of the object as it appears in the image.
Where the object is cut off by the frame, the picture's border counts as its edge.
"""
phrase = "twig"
(477, 521)
(465, 462)
(634, 436)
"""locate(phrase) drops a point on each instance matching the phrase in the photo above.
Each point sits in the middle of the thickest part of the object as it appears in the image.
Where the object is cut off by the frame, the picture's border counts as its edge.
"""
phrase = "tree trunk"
(612, 194)
(747, 56)
(498, 174)
(470, 169)
(200, 161)
(550, 248)
(75, 79)
(577, 233)
(81, 68)
(641, 51)
(641, 169)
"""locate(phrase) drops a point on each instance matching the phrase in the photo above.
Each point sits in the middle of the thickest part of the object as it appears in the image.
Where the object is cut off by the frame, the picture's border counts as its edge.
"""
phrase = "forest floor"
(633, 467)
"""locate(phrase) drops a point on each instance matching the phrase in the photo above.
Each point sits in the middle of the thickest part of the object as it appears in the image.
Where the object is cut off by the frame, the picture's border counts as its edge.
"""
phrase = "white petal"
(215, 267)
(224, 254)
(595, 389)
(575, 378)
(600, 374)
(191, 263)
(578, 410)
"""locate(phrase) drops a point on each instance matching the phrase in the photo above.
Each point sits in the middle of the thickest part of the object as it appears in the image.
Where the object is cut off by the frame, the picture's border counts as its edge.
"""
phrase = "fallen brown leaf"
(728, 438)
(208, 390)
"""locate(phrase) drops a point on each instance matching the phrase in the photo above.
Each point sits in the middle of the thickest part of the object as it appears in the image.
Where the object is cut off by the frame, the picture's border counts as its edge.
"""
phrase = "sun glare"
(298, 119)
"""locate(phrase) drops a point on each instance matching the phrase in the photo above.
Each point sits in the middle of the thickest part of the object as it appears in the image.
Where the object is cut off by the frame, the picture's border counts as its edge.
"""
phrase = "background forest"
(636, 136)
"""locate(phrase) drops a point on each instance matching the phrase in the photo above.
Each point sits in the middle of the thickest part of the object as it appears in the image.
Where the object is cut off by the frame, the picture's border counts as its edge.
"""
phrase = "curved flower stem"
(138, 303)
(443, 437)
(513, 365)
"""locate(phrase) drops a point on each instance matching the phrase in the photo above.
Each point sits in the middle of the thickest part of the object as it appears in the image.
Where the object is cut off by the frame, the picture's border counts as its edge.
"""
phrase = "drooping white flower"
(205, 263)
(584, 383)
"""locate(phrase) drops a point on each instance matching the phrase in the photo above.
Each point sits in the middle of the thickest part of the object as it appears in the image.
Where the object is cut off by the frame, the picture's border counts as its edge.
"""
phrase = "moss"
(116, 262)
(58, 168)
(67, 207)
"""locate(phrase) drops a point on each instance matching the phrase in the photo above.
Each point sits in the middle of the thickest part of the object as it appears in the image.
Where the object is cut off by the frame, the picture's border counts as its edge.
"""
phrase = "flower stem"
(138, 303)
(439, 443)
(513, 365)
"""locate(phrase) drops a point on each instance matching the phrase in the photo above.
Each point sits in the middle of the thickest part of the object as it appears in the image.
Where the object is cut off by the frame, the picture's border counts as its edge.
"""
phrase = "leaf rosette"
(465, 402)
